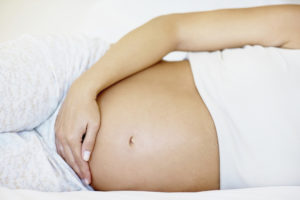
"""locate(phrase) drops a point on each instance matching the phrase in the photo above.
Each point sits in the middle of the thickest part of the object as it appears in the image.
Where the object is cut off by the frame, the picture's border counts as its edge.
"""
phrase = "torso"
(156, 134)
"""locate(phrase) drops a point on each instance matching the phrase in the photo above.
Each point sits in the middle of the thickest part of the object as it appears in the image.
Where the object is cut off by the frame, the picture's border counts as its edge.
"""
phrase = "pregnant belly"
(156, 134)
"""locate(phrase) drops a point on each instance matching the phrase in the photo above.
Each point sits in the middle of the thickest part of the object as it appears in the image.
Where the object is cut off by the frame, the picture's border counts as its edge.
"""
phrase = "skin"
(156, 134)
(200, 31)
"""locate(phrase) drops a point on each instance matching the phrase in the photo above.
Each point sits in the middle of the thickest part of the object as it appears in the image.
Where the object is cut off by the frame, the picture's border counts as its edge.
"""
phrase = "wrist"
(86, 87)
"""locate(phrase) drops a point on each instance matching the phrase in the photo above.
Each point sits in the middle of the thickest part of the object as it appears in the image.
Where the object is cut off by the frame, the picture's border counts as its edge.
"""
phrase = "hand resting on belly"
(156, 134)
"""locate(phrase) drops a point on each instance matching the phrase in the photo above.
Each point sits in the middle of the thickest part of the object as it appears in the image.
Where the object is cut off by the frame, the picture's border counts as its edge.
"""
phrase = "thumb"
(89, 140)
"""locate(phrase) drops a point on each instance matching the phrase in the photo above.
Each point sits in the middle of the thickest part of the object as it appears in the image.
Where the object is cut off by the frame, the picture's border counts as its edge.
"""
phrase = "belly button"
(131, 141)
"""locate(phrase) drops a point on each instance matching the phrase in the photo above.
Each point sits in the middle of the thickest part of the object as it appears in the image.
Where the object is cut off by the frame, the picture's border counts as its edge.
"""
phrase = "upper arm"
(212, 30)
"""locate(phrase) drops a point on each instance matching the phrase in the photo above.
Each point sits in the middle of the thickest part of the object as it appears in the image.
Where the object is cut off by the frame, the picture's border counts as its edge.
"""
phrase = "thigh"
(29, 88)
(36, 72)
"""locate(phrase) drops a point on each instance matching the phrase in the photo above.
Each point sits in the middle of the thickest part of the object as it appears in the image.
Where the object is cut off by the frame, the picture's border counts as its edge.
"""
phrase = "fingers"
(82, 166)
(71, 153)
(89, 140)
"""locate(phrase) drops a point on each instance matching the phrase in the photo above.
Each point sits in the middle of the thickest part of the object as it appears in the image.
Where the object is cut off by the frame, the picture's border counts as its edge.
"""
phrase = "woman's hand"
(76, 128)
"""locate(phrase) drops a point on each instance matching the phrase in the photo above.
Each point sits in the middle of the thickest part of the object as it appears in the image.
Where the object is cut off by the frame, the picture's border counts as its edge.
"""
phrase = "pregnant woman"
(217, 120)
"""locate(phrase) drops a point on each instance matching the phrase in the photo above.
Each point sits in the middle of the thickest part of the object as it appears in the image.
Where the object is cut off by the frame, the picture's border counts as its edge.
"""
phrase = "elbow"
(291, 29)
(282, 29)
(168, 26)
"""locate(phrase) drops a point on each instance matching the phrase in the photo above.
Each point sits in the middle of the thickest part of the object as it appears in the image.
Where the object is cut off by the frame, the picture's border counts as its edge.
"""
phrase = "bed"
(111, 19)
(274, 193)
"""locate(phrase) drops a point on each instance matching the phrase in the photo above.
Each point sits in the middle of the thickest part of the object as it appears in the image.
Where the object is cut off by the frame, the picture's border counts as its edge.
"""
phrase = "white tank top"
(253, 95)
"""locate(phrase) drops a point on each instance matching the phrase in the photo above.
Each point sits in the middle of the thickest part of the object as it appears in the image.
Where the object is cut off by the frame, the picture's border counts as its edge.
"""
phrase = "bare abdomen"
(156, 134)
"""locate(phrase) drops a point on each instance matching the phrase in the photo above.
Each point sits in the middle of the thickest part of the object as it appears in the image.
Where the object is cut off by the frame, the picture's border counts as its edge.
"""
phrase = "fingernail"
(86, 181)
(86, 155)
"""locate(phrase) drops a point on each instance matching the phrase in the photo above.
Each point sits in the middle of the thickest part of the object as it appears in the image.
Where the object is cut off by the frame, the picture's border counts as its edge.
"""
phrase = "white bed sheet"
(111, 19)
(266, 193)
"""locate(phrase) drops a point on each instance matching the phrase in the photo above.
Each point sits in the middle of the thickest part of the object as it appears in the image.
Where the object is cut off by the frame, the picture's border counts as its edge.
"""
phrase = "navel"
(131, 141)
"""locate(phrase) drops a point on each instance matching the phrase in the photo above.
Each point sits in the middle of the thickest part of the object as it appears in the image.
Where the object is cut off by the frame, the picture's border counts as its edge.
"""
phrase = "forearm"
(136, 51)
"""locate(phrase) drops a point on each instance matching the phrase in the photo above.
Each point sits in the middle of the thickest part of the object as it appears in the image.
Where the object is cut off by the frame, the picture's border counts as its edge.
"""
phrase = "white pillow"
(113, 18)
(109, 19)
